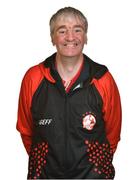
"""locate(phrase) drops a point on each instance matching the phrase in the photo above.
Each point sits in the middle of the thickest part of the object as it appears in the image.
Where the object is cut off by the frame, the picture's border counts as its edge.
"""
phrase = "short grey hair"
(68, 11)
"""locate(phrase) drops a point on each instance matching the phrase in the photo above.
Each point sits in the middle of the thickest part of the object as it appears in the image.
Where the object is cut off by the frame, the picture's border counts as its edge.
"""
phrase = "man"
(69, 113)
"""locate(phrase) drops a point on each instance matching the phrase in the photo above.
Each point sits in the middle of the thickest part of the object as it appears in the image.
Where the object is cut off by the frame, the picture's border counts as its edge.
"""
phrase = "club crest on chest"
(89, 121)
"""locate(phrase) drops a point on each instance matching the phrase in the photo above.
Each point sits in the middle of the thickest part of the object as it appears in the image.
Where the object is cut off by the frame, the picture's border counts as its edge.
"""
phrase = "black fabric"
(91, 70)
(96, 70)
(62, 148)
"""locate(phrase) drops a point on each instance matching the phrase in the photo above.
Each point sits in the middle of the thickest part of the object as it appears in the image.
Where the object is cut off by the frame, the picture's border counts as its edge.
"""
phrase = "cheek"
(85, 39)
(82, 39)
(57, 40)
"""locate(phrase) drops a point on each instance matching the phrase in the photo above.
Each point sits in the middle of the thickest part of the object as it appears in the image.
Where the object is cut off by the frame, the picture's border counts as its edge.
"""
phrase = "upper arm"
(29, 85)
(111, 107)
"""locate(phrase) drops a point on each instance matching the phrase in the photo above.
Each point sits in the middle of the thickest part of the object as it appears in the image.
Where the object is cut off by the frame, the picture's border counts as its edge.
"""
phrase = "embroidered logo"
(43, 122)
(78, 86)
(89, 121)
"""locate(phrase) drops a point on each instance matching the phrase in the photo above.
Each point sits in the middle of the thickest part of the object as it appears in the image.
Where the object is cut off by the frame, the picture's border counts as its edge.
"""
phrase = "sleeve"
(112, 111)
(24, 121)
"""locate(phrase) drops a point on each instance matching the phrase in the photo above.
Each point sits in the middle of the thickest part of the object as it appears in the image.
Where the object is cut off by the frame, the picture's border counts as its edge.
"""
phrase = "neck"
(67, 67)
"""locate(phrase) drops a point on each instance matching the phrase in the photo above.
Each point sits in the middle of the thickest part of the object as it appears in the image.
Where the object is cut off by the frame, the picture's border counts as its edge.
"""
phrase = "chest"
(78, 112)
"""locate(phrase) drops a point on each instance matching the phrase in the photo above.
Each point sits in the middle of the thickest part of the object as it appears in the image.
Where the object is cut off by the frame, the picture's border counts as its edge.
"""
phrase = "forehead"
(69, 21)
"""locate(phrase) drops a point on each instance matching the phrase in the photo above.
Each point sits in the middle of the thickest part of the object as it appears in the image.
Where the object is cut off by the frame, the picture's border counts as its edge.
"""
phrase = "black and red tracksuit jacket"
(69, 135)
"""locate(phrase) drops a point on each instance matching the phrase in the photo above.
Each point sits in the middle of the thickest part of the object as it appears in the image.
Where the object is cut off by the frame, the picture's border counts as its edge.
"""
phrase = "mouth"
(70, 44)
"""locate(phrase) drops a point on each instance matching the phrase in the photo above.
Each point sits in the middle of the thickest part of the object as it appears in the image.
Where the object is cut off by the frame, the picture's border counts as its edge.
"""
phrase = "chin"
(71, 54)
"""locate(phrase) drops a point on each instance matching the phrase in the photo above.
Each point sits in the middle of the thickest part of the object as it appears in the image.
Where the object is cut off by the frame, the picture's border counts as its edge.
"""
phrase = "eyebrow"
(75, 26)
(61, 27)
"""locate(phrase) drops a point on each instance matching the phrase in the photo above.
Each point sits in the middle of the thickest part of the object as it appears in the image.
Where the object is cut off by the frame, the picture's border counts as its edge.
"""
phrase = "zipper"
(66, 132)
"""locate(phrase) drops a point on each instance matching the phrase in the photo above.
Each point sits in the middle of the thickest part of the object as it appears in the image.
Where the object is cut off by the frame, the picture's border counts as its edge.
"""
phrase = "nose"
(70, 36)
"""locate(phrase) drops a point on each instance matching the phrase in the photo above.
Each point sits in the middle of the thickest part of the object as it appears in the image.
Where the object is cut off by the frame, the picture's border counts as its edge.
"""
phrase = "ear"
(52, 39)
(86, 39)
(53, 43)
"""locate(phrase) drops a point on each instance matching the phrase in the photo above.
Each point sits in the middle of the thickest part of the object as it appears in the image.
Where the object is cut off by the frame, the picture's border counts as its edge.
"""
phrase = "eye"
(61, 31)
(78, 30)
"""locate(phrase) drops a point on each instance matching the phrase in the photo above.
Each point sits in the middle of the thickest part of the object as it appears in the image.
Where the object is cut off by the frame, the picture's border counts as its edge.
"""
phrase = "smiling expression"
(69, 36)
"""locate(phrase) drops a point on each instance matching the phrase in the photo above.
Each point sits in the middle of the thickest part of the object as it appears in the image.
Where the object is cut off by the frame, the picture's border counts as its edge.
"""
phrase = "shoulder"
(33, 73)
(96, 70)
(105, 81)
(108, 82)
(36, 73)
(32, 79)
(107, 78)
(106, 85)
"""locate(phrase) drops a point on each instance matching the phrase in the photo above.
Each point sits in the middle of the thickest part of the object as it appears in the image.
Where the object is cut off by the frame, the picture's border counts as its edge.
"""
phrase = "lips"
(71, 44)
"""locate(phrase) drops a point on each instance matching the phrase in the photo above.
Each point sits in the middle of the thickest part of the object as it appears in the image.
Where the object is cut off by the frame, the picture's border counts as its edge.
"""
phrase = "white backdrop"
(113, 40)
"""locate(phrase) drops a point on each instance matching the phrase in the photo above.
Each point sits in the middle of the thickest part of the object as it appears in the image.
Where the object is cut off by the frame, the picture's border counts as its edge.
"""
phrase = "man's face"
(69, 36)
